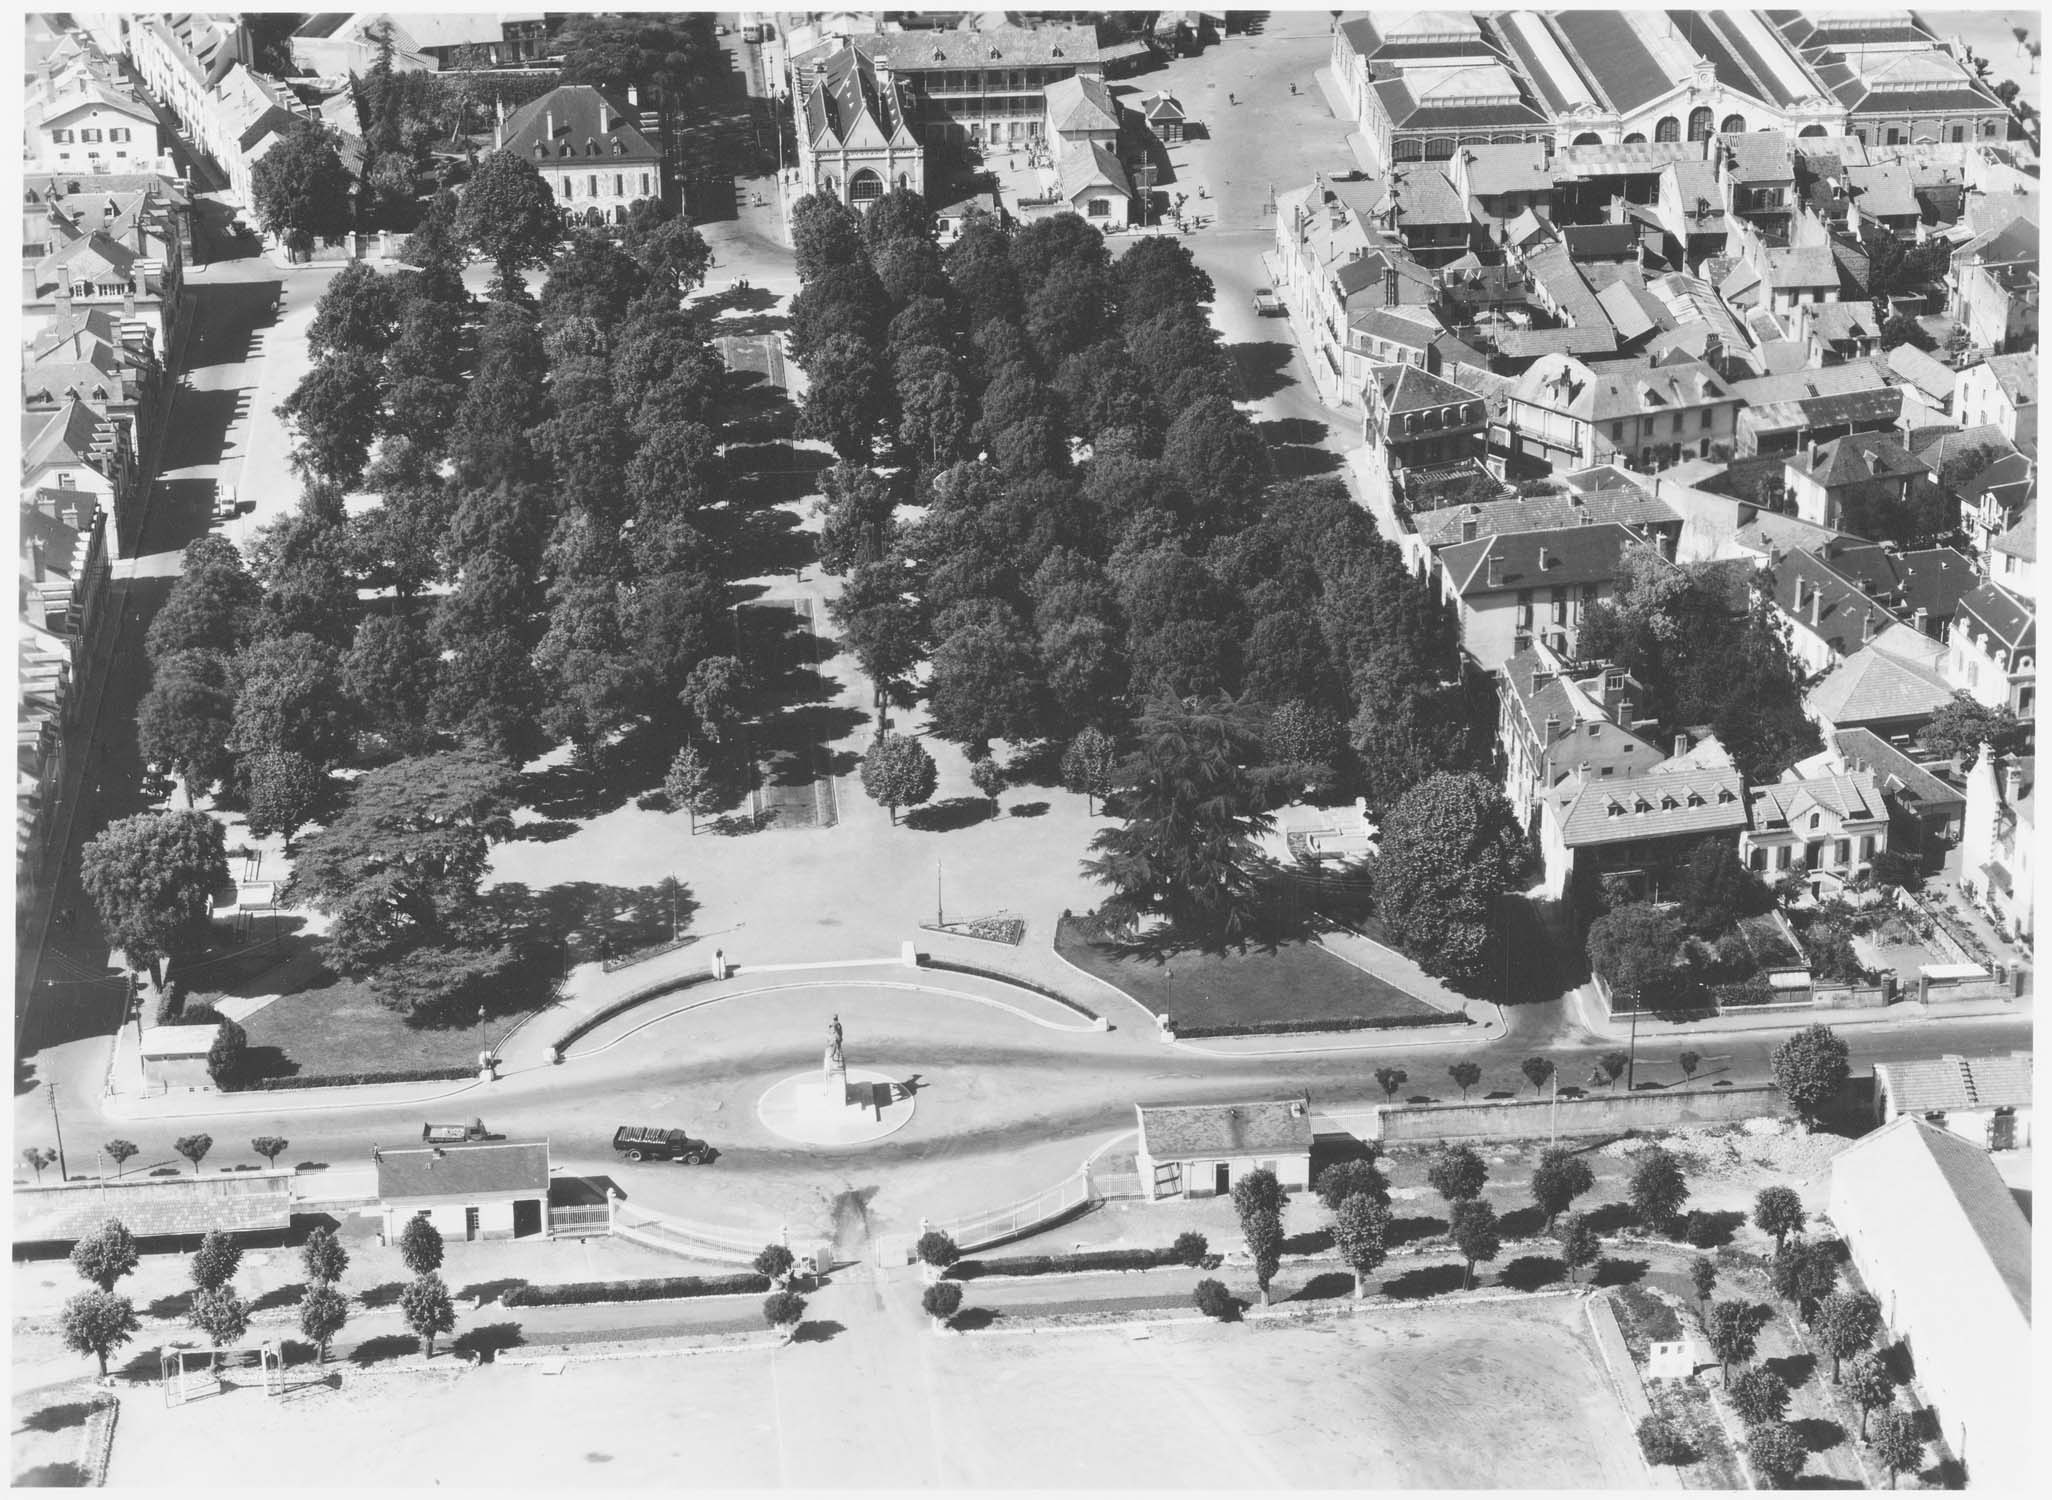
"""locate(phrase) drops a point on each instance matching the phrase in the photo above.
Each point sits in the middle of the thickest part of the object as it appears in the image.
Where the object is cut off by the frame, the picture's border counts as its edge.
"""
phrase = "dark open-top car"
(660, 1143)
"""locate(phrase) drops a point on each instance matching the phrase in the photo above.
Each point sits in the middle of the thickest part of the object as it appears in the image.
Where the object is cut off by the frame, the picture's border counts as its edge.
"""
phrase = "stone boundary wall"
(1600, 1114)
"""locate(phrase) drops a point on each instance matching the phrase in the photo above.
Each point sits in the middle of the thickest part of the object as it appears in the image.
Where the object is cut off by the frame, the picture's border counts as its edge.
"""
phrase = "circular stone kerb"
(798, 1109)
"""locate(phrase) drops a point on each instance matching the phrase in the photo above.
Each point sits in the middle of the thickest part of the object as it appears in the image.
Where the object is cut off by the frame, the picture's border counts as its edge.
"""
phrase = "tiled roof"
(451, 1171)
(585, 123)
(1408, 388)
(1676, 804)
(1518, 167)
(1874, 685)
(1629, 507)
(1950, 1218)
(1934, 378)
(1424, 196)
(154, 1207)
(2016, 240)
(1079, 103)
(2021, 540)
(1856, 458)
(1849, 798)
(2016, 376)
(1883, 190)
(1802, 266)
(1894, 772)
(1928, 1084)
(1836, 322)
(2011, 622)
(1184, 1132)
(1086, 164)
(1832, 380)
(1563, 557)
(1759, 156)
(63, 436)
(1526, 343)
(1937, 446)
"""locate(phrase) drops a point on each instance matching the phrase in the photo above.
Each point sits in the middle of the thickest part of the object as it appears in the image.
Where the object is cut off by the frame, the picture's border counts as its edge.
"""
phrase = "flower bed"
(1056, 1265)
(1010, 931)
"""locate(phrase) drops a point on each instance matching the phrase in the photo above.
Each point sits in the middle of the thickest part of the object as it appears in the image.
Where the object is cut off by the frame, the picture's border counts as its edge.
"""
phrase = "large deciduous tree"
(1810, 1068)
(300, 188)
(97, 1323)
(898, 772)
(152, 879)
(1963, 726)
(335, 410)
(184, 721)
(510, 216)
(1561, 1177)
(1450, 850)
(1636, 948)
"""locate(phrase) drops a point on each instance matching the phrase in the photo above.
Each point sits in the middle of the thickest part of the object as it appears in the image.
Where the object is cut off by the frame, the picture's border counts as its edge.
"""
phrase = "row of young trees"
(1053, 519)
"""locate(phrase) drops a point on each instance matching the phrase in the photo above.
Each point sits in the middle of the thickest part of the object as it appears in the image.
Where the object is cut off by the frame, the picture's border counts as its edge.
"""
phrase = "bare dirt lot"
(1384, 1400)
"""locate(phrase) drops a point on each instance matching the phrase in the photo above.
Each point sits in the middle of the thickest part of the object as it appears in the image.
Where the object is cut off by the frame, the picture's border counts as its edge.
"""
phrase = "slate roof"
(1950, 1218)
(1384, 323)
(446, 1172)
(153, 1207)
(1518, 167)
(1883, 190)
(1624, 506)
(1802, 266)
(2016, 376)
(2015, 241)
(1927, 1084)
(844, 93)
(1572, 555)
(1852, 797)
(1087, 164)
(1408, 388)
(1933, 377)
(1659, 805)
(1185, 1132)
(1894, 772)
(1876, 685)
(585, 123)
(1837, 322)
(63, 436)
(1613, 56)
(1527, 343)
(993, 48)
(1759, 156)
(2011, 622)
(1857, 458)
(1425, 197)
(2021, 540)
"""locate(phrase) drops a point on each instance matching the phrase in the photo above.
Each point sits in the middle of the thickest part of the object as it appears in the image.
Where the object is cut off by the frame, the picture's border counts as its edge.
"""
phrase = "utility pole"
(1632, 1057)
(938, 919)
(63, 1171)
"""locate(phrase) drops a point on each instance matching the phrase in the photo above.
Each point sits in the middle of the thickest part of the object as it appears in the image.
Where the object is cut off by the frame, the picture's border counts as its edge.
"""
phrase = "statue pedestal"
(846, 1108)
(833, 1089)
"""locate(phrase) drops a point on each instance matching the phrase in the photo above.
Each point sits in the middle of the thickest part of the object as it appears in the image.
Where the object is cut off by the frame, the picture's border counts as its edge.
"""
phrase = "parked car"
(453, 1135)
(660, 1143)
(1267, 304)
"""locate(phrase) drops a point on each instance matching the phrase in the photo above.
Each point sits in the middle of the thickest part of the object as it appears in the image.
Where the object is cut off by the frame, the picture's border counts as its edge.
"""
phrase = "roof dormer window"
(1724, 795)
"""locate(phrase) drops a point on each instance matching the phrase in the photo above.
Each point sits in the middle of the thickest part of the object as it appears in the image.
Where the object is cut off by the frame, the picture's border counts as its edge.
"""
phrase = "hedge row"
(1342, 1023)
(1012, 979)
(650, 1290)
(1051, 1265)
(352, 1080)
(599, 1018)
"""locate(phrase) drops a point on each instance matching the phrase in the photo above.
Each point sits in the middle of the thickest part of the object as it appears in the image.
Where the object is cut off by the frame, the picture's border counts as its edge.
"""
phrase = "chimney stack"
(1866, 626)
(1545, 557)
(1817, 605)
(2012, 781)
(1495, 573)
(35, 560)
(1921, 621)
(549, 116)
(1389, 286)
(1681, 744)
(1552, 728)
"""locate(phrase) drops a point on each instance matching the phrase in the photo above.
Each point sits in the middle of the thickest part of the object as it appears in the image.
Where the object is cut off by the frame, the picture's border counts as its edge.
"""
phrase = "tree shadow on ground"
(1037, 763)
(1263, 368)
(1310, 1242)
(1719, 1226)
(1423, 1281)
(57, 1418)
(1528, 1273)
(1324, 1286)
(385, 1295)
(177, 1305)
(948, 815)
(491, 1291)
(1823, 1482)
(487, 1340)
(1522, 1223)
(974, 1319)
(279, 1296)
(1818, 1433)
(1041, 810)
(1794, 1369)
(1609, 1218)
(58, 1476)
(817, 1331)
(1420, 1227)
(1616, 1270)
(384, 1346)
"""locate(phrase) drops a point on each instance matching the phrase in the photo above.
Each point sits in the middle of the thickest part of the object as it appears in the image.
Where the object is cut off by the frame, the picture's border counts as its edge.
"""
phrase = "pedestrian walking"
(1232, 98)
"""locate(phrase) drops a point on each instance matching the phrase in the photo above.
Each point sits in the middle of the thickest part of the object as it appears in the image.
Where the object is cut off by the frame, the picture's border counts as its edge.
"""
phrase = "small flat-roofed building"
(174, 1058)
(1986, 1100)
(1201, 1150)
(1938, 1239)
(497, 1190)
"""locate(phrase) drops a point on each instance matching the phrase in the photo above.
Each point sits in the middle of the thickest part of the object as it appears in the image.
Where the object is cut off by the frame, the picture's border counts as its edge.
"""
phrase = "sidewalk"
(1589, 1013)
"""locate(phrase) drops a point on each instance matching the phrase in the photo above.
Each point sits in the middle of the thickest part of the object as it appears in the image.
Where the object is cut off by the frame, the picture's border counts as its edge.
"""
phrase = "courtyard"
(1382, 1401)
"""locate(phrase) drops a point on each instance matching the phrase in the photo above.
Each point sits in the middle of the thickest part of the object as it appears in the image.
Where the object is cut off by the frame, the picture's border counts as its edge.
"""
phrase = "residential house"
(2000, 392)
(76, 451)
(983, 88)
(1893, 81)
(1690, 207)
(84, 357)
(1926, 810)
(591, 152)
(494, 1191)
(1838, 331)
(85, 125)
(129, 265)
(856, 139)
(1641, 829)
(952, 219)
(1783, 413)
(1998, 849)
(182, 59)
(1163, 116)
(1992, 478)
(1993, 648)
(1595, 497)
(66, 570)
(1503, 183)
(1418, 418)
(1400, 335)
(1094, 184)
(1331, 262)
(1893, 685)
(1429, 213)
(1201, 1150)
(1082, 110)
(333, 45)
(1985, 1101)
(1936, 1236)
(1756, 174)
(2013, 556)
(1993, 281)
(1858, 473)
(164, 201)
(1562, 413)
(1883, 198)
(1933, 379)
(1830, 827)
(1508, 591)
(1558, 286)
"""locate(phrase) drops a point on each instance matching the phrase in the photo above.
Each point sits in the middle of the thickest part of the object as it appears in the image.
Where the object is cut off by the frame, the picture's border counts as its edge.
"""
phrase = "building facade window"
(1841, 851)
(1524, 609)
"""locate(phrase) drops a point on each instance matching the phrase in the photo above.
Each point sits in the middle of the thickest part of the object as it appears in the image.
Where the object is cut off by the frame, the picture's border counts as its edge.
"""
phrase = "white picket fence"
(975, 1231)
